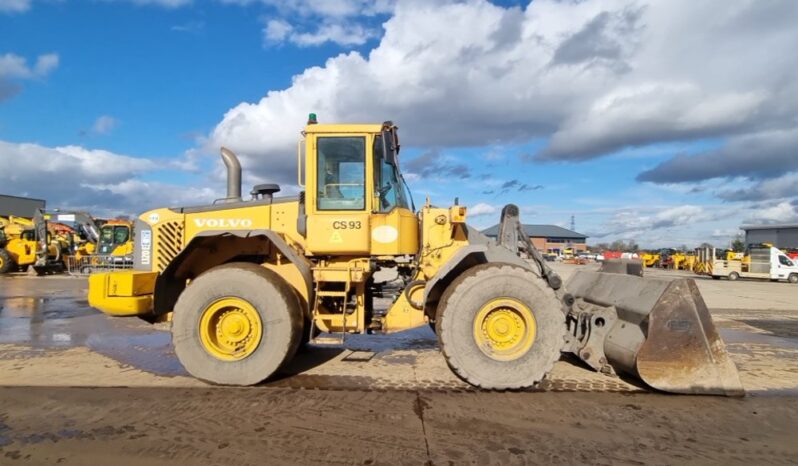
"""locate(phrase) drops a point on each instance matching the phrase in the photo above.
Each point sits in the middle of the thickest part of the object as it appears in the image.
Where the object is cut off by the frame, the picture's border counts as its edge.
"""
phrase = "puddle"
(62, 323)
(735, 336)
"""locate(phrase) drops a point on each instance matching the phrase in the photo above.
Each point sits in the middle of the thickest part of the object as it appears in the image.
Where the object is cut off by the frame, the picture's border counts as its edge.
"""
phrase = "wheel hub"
(230, 329)
(504, 329)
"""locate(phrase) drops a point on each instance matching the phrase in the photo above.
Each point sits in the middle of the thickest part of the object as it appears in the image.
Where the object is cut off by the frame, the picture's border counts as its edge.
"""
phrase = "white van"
(765, 263)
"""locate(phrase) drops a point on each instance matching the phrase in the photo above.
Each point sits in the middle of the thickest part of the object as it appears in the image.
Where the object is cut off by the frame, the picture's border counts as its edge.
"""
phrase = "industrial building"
(782, 236)
(19, 206)
(549, 238)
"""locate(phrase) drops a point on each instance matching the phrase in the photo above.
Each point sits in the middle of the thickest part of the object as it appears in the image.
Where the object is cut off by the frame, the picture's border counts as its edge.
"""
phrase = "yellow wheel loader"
(106, 244)
(22, 248)
(246, 282)
(11, 246)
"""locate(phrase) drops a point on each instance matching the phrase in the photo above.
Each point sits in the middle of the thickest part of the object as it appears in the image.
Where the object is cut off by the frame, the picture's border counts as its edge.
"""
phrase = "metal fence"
(81, 266)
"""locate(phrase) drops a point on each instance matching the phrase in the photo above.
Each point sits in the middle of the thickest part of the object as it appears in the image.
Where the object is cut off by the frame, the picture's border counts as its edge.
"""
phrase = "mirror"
(389, 147)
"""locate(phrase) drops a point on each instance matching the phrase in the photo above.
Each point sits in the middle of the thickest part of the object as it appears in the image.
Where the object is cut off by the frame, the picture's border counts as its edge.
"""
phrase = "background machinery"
(762, 262)
(247, 282)
(109, 249)
(98, 244)
(21, 245)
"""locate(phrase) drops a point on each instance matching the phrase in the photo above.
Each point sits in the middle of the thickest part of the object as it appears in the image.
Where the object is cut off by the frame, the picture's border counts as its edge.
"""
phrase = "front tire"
(793, 278)
(6, 262)
(500, 327)
(734, 276)
(236, 324)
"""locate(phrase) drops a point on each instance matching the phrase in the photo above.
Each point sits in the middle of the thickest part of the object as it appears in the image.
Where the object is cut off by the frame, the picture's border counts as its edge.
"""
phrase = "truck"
(764, 263)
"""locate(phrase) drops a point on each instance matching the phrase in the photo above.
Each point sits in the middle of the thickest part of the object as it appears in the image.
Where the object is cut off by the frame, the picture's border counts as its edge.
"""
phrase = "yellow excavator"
(246, 282)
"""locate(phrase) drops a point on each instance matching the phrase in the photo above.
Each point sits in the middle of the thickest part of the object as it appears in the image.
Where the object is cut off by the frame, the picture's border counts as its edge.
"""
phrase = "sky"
(668, 123)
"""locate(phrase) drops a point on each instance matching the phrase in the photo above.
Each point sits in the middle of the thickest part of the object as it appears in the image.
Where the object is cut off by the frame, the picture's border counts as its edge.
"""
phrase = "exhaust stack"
(233, 175)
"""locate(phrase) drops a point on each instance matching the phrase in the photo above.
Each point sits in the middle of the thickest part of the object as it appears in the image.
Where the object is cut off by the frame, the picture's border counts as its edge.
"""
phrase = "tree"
(601, 247)
(617, 245)
(738, 245)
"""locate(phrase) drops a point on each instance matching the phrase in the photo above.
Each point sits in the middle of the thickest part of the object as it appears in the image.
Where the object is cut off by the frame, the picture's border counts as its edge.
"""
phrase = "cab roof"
(344, 128)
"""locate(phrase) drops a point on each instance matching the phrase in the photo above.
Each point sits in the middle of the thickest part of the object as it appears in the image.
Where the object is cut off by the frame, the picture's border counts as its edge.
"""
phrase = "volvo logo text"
(223, 222)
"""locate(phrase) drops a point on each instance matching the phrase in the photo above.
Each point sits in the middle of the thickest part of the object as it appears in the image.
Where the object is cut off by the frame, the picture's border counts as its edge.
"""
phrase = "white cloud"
(16, 67)
(45, 64)
(651, 222)
(783, 212)
(596, 76)
(50, 163)
(99, 181)
(135, 196)
(324, 8)
(171, 4)
(14, 6)
(341, 34)
(193, 27)
(481, 209)
(104, 124)
(277, 30)
(20, 6)
(784, 186)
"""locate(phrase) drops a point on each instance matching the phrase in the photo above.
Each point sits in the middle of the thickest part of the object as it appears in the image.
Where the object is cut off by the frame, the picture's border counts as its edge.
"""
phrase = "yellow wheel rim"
(230, 329)
(504, 329)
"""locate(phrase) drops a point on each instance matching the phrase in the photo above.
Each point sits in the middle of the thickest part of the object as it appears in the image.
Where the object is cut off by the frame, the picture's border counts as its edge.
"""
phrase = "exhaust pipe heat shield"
(664, 333)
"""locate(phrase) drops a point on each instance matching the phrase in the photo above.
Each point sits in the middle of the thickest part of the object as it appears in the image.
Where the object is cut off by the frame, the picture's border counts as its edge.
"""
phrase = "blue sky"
(664, 123)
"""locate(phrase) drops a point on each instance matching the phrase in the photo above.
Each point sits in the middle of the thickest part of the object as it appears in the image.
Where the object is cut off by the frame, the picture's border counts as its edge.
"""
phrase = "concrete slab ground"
(377, 399)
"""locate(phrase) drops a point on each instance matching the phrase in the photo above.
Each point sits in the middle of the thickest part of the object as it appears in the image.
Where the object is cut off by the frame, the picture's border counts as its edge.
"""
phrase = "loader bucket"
(663, 333)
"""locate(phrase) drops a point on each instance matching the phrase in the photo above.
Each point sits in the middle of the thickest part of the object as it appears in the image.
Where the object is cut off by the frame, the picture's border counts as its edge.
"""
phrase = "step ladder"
(342, 295)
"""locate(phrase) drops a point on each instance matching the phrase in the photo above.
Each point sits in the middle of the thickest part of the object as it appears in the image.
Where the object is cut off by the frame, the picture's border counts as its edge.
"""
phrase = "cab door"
(394, 226)
(338, 203)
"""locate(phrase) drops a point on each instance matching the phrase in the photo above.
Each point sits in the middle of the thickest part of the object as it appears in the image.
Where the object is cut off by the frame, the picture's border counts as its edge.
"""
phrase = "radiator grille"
(169, 243)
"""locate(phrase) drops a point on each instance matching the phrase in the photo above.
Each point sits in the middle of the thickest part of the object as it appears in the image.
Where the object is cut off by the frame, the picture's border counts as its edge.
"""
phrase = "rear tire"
(734, 276)
(6, 262)
(793, 278)
(273, 309)
(493, 291)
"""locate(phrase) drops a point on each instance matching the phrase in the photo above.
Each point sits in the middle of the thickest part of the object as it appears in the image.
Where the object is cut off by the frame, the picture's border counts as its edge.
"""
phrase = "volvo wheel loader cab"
(248, 281)
(116, 239)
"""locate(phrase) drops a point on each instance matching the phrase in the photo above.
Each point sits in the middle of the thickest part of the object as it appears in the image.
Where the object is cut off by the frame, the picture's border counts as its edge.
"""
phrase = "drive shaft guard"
(664, 333)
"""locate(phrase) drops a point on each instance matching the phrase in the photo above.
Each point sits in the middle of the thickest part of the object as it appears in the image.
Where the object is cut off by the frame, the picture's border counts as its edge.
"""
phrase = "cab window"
(121, 234)
(784, 260)
(107, 235)
(341, 173)
(387, 182)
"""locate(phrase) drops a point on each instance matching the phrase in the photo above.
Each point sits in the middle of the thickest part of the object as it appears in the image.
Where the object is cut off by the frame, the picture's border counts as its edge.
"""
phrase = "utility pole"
(570, 245)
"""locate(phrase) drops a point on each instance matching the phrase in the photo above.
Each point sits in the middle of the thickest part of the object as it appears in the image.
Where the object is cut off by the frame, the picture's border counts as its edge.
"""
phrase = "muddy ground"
(77, 387)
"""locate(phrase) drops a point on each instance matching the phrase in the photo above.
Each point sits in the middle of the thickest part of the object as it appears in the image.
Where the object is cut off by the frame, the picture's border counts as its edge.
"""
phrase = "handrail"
(299, 163)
